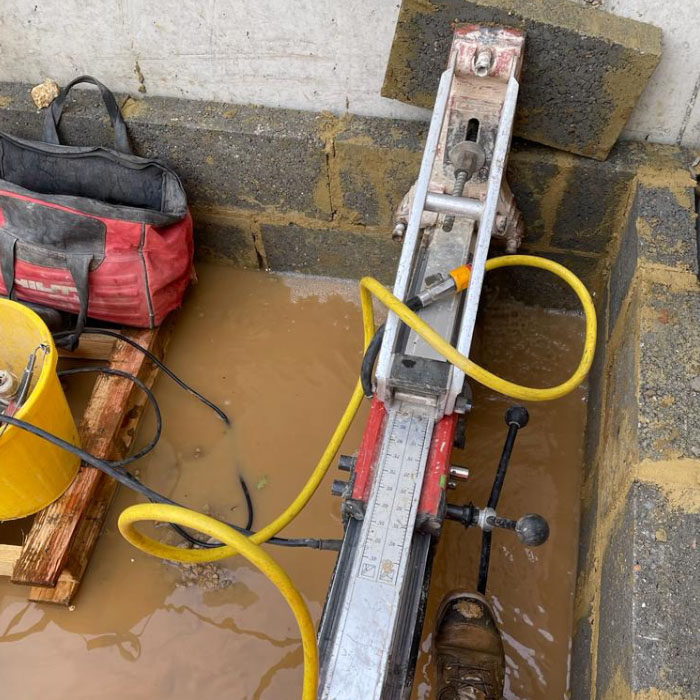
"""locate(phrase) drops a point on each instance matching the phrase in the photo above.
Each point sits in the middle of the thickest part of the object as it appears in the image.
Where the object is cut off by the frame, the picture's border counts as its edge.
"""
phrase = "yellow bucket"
(33, 472)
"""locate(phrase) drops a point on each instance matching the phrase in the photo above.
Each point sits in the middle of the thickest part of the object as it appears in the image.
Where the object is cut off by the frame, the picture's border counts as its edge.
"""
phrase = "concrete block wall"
(669, 110)
(295, 191)
(638, 602)
(582, 73)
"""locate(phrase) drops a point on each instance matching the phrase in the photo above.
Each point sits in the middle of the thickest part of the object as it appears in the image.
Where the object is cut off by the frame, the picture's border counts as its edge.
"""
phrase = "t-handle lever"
(532, 529)
(516, 418)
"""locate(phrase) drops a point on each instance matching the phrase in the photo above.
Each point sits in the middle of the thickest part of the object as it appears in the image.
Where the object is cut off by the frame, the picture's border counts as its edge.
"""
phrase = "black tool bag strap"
(53, 114)
(8, 246)
(79, 266)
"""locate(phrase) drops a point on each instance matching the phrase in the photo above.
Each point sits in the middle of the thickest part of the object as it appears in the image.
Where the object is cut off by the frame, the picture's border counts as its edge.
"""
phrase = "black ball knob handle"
(518, 416)
(532, 530)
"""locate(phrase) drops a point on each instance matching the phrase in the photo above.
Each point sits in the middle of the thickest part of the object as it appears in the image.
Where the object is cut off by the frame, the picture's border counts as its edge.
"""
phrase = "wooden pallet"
(58, 547)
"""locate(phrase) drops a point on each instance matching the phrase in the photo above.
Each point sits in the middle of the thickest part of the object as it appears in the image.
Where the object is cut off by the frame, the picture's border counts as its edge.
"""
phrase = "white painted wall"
(668, 111)
(304, 54)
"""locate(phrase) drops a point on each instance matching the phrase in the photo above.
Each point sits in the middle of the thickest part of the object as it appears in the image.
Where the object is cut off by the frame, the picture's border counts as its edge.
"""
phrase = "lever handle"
(532, 530)
(516, 418)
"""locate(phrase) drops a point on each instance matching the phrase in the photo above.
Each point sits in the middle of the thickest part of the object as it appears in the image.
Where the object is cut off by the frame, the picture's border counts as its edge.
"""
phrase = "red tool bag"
(93, 231)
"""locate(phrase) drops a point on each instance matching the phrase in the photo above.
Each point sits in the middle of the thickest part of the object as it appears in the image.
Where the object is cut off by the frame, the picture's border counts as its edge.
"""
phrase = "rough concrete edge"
(586, 20)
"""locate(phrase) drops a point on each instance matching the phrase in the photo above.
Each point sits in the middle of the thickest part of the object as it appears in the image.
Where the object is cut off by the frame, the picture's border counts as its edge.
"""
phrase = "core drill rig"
(394, 501)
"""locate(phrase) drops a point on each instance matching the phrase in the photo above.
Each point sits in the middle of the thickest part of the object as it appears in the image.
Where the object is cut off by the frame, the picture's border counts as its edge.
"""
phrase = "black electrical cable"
(179, 382)
(370, 357)
(516, 418)
(207, 544)
(126, 478)
(369, 360)
(159, 426)
(164, 368)
(248, 502)
(149, 395)
(151, 445)
(116, 469)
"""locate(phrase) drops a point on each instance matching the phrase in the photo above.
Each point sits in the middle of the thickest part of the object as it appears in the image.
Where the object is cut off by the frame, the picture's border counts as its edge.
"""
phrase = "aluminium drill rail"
(394, 499)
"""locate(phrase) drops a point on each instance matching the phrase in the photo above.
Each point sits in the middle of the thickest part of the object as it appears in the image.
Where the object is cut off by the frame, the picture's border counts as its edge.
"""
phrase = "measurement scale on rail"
(373, 596)
(390, 513)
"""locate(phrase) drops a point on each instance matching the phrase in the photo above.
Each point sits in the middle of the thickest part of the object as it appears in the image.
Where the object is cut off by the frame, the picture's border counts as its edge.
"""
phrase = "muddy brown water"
(281, 355)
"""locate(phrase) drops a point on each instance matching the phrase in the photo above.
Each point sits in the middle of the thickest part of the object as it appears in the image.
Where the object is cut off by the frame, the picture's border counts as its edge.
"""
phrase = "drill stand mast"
(394, 501)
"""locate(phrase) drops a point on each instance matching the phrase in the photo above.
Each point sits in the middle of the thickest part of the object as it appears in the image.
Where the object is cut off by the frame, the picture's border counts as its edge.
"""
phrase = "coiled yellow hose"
(370, 287)
(235, 543)
(252, 552)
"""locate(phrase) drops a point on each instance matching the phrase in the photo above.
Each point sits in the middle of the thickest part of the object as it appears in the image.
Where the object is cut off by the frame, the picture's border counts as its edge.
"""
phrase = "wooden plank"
(81, 548)
(9, 554)
(90, 526)
(92, 347)
(46, 548)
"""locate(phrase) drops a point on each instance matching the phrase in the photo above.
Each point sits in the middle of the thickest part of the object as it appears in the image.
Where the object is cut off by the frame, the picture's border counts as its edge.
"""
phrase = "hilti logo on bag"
(37, 286)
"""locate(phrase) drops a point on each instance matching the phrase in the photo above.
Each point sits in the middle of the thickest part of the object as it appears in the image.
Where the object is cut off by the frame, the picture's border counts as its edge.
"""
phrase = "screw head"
(467, 156)
(483, 60)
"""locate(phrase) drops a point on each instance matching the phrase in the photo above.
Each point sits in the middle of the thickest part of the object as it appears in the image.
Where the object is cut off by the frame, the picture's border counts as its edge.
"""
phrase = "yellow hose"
(254, 554)
(370, 286)
(236, 543)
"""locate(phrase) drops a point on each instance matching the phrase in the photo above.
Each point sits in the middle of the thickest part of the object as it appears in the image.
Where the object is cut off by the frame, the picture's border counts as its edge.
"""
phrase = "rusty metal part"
(483, 60)
(467, 158)
(457, 191)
